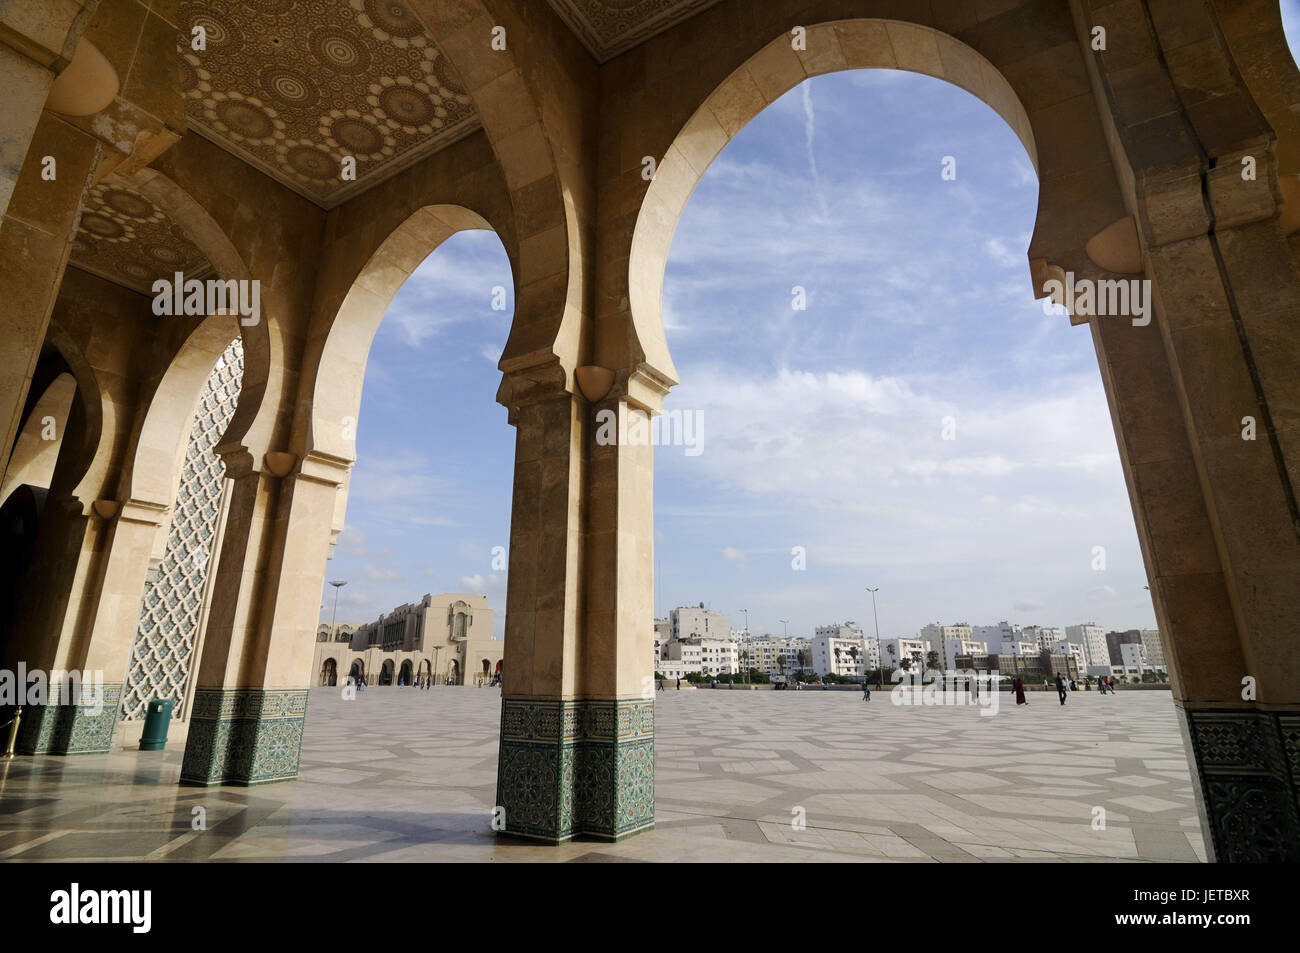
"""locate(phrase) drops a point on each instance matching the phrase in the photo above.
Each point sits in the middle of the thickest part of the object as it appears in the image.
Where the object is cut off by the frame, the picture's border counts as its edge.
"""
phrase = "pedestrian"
(660, 682)
(1020, 692)
(1061, 687)
(679, 683)
(1073, 686)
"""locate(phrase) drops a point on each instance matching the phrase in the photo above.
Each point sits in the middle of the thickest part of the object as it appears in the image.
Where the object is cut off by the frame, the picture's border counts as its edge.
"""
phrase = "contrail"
(809, 126)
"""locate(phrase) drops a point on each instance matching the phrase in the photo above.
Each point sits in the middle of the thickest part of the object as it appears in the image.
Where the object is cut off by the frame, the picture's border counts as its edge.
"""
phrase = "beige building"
(447, 637)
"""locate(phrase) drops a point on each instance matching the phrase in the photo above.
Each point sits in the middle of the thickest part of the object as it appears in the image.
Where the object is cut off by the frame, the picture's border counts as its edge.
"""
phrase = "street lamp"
(337, 584)
(880, 656)
(745, 653)
(785, 637)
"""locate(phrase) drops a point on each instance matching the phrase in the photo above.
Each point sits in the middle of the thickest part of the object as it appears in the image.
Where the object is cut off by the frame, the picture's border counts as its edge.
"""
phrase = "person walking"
(1062, 686)
(679, 683)
(1020, 692)
(866, 690)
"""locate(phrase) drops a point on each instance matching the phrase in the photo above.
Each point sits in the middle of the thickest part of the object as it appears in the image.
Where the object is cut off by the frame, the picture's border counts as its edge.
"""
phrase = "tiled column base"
(58, 728)
(244, 736)
(576, 767)
(1248, 763)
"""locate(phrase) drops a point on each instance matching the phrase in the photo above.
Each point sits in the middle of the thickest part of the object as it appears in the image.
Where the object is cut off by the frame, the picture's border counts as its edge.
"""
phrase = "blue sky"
(821, 428)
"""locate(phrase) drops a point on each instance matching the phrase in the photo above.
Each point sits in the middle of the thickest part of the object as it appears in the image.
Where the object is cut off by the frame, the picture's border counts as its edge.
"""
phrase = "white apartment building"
(900, 648)
(836, 656)
(1133, 660)
(935, 635)
(691, 656)
(1045, 635)
(955, 647)
(1023, 649)
(717, 656)
(687, 622)
(996, 635)
(1093, 639)
(670, 669)
(1154, 647)
(1066, 647)
(775, 656)
(851, 630)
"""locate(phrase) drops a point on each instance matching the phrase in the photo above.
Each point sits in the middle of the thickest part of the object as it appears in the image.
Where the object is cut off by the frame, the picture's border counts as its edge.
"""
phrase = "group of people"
(1063, 687)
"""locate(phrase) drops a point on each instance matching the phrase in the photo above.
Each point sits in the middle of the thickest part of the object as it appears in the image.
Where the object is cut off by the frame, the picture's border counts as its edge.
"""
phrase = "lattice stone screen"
(173, 603)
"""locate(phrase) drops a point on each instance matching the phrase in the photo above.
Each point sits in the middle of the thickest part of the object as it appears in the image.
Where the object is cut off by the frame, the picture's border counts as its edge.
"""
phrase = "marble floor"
(405, 775)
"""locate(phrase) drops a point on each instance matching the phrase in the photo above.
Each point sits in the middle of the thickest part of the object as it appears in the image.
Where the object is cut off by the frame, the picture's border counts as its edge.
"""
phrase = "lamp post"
(785, 637)
(745, 652)
(880, 655)
(337, 584)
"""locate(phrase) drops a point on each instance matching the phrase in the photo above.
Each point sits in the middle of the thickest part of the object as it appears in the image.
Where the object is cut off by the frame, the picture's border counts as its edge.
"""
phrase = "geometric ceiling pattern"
(126, 239)
(610, 27)
(294, 86)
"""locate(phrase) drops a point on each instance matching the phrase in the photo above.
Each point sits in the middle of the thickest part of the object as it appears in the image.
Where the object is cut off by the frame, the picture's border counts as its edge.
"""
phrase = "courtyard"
(407, 775)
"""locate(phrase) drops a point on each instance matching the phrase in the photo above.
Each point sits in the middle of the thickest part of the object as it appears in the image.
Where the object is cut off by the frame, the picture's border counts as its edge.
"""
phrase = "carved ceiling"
(294, 86)
(610, 27)
(126, 239)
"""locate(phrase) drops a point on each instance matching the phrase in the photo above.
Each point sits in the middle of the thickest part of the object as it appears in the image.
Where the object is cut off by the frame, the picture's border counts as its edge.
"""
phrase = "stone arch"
(82, 447)
(549, 196)
(263, 351)
(33, 458)
(329, 672)
(386, 672)
(763, 78)
(154, 468)
(357, 670)
(406, 676)
(339, 372)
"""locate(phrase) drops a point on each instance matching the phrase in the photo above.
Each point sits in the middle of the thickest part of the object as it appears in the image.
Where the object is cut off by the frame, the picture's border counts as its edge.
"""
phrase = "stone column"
(48, 632)
(48, 160)
(250, 698)
(541, 713)
(37, 42)
(577, 711)
(1229, 304)
(108, 596)
(615, 780)
(35, 236)
(1196, 163)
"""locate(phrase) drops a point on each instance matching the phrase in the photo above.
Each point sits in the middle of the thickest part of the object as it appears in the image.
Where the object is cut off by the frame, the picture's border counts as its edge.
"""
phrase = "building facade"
(1093, 639)
(445, 637)
(851, 630)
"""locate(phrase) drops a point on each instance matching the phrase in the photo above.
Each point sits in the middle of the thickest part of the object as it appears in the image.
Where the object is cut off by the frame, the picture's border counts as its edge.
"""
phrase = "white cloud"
(490, 585)
(351, 541)
(732, 555)
(381, 573)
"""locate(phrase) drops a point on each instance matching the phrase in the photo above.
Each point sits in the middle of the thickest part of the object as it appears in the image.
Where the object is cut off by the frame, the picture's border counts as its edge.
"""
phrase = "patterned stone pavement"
(405, 775)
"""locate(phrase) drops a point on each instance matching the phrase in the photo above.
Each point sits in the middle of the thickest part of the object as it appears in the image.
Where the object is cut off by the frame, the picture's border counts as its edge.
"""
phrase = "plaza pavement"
(409, 775)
